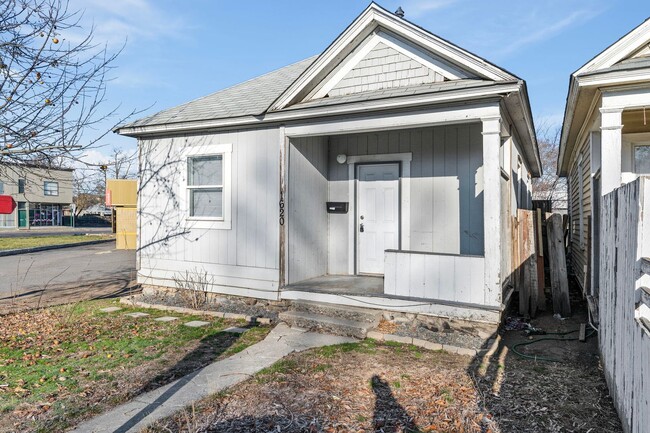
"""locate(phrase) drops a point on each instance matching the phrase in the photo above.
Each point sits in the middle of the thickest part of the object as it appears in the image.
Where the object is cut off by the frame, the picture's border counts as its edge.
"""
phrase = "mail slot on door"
(337, 207)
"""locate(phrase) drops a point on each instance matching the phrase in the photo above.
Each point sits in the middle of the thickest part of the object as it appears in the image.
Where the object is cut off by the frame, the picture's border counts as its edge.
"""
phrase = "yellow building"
(122, 195)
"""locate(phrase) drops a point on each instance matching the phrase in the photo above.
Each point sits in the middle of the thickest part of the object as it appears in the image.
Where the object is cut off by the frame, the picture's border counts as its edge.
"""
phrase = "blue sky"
(176, 51)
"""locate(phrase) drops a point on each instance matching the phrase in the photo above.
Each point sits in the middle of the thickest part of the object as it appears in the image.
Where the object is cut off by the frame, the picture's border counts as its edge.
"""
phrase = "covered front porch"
(396, 218)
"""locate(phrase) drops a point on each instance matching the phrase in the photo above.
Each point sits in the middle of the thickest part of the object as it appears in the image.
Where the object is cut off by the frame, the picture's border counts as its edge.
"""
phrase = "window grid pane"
(205, 170)
(206, 202)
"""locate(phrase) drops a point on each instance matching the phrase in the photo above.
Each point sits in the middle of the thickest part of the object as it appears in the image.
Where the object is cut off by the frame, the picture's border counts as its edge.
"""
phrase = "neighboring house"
(42, 194)
(605, 140)
(384, 172)
(605, 153)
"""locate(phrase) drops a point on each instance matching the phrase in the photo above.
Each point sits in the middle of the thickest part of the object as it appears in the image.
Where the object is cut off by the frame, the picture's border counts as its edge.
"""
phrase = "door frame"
(357, 222)
(404, 207)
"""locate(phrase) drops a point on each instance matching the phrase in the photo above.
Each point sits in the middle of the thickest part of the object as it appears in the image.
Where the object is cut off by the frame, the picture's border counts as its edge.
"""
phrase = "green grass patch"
(55, 355)
(45, 241)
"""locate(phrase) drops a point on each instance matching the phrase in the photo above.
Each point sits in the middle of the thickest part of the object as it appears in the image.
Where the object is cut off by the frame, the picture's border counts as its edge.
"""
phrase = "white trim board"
(369, 20)
(416, 53)
(405, 199)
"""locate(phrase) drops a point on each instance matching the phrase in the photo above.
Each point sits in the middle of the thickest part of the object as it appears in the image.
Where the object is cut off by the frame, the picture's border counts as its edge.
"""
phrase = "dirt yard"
(61, 365)
(373, 387)
(389, 387)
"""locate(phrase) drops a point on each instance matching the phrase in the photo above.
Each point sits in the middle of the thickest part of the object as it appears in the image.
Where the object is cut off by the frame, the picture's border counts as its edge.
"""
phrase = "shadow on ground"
(526, 392)
(65, 294)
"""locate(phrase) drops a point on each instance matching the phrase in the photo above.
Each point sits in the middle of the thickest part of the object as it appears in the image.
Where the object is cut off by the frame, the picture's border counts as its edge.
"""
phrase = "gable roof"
(378, 23)
(250, 98)
(624, 48)
(626, 61)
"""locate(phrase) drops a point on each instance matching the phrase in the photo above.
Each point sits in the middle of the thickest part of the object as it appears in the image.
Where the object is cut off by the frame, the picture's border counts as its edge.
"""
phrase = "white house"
(605, 153)
(605, 140)
(384, 172)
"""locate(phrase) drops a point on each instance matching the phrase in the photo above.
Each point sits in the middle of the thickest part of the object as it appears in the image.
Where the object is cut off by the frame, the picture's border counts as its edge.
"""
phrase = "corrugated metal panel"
(123, 192)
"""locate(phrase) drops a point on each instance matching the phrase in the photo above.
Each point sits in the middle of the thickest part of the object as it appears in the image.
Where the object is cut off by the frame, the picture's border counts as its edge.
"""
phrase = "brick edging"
(422, 343)
(184, 310)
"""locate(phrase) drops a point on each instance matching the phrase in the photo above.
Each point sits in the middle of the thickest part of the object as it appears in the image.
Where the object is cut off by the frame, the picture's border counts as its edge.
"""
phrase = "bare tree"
(550, 186)
(122, 164)
(52, 83)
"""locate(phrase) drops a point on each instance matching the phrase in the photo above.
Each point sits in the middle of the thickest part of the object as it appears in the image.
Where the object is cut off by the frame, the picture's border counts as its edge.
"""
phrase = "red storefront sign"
(7, 204)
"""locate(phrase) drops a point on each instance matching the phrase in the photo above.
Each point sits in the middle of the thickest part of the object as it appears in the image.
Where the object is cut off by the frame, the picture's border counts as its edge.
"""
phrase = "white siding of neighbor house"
(579, 184)
(446, 212)
(245, 255)
(307, 222)
(383, 68)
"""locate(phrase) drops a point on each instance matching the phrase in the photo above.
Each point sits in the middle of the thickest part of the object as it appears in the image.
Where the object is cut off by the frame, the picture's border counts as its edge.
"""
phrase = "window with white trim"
(50, 188)
(205, 184)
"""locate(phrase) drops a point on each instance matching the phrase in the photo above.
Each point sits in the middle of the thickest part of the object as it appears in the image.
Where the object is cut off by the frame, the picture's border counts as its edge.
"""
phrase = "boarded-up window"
(205, 185)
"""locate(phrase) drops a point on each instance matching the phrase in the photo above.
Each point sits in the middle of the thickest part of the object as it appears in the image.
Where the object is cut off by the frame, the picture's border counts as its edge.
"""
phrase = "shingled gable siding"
(579, 249)
(384, 68)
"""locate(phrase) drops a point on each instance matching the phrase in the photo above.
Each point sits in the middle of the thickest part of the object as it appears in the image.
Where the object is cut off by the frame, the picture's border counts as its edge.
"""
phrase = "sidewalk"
(154, 405)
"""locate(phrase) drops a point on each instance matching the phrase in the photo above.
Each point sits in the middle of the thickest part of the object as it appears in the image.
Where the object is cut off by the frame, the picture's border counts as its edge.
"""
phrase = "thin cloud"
(115, 21)
(546, 31)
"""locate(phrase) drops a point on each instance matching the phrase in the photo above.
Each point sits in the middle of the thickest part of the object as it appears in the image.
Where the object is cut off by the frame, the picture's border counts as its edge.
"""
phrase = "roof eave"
(475, 93)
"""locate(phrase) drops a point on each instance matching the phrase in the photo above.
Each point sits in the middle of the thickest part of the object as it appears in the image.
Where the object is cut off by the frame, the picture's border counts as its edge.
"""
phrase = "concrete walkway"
(149, 407)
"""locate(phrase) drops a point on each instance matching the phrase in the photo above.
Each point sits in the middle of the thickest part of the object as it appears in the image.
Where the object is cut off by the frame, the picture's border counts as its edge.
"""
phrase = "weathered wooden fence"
(624, 334)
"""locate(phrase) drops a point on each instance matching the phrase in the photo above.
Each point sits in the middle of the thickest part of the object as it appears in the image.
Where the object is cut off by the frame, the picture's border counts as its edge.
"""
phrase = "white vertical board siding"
(446, 188)
(579, 187)
(450, 278)
(624, 343)
(307, 216)
(253, 240)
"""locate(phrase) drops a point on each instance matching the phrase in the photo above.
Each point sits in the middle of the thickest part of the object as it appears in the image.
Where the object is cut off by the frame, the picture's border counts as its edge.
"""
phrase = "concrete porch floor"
(341, 285)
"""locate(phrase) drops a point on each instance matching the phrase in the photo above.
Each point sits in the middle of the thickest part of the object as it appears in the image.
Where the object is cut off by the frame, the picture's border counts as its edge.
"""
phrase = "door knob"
(361, 227)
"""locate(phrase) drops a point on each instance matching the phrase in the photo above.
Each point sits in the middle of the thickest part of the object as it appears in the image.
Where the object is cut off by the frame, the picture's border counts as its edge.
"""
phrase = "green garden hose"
(543, 358)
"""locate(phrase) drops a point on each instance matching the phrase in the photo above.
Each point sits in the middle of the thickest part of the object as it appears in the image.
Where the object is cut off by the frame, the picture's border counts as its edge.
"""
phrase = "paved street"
(65, 275)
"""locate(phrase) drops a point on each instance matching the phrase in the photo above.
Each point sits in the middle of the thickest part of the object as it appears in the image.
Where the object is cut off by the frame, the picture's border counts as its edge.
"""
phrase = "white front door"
(378, 216)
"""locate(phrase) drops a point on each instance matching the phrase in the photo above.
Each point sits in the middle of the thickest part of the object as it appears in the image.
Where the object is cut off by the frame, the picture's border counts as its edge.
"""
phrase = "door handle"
(361, 228)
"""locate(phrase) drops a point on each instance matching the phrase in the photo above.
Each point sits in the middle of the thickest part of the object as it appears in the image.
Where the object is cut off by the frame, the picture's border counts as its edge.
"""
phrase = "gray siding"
(248, 248)
(383, 68)
(577, 186)
(446, 188)
(307, 230)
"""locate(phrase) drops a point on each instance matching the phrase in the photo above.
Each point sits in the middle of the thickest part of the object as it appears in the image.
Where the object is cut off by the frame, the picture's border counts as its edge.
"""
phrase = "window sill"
(207, 223)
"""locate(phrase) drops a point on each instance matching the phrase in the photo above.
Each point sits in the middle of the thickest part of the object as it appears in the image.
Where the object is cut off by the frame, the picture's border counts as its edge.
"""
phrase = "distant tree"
(550, 186)
(52, 82)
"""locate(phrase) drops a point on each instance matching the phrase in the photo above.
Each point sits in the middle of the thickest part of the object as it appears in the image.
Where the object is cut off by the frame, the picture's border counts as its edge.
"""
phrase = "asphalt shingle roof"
(394, 92)
(250, 98)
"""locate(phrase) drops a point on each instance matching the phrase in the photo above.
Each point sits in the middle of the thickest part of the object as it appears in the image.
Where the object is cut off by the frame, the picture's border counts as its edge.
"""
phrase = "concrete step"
(327, 324)
(338, 311)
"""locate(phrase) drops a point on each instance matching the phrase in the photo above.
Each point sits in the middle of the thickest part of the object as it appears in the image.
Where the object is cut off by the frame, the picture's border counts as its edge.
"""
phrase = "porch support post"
(282, 211)
(492, 209)
(611, 147)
